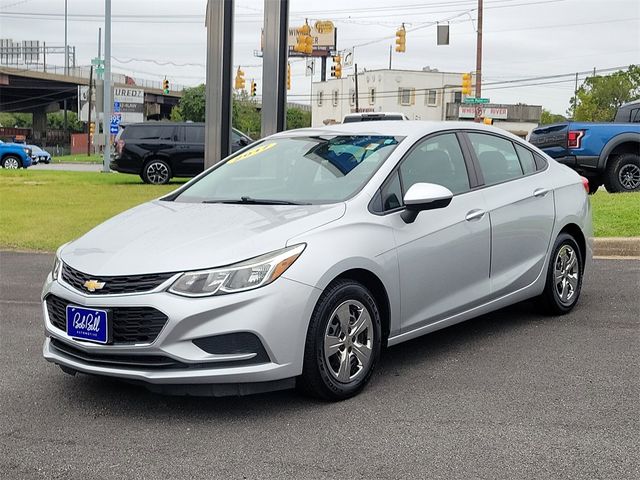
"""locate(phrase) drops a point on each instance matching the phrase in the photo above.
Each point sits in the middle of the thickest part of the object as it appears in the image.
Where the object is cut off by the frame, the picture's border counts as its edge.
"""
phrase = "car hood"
(164, 236)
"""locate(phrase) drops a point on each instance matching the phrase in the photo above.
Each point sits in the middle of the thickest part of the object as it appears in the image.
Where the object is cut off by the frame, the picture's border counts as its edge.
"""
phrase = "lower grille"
(130, 324)
(123, 360)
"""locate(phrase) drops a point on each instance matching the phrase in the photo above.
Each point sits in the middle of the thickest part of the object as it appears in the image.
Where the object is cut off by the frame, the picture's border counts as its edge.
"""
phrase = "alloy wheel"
(11, 163)
(629, 176)
(566, 273)
(348, 341)
(157, 173)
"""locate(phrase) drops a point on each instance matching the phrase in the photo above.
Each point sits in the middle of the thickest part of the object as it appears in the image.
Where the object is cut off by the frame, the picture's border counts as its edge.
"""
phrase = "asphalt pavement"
(510, 395)
(69, 167)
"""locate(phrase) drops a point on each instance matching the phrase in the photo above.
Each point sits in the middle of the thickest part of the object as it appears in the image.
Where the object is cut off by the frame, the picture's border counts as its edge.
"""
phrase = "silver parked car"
(296, 259)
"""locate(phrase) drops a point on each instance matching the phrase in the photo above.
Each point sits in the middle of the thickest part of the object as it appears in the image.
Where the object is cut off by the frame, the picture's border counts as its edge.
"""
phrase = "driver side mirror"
(424, 196)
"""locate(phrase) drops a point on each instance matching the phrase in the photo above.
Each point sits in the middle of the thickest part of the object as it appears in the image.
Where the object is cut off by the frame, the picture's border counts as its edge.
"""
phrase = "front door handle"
(476, 214)
(540, 192)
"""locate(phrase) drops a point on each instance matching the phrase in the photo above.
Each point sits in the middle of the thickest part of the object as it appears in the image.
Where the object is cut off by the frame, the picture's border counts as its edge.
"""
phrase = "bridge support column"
(40, 126)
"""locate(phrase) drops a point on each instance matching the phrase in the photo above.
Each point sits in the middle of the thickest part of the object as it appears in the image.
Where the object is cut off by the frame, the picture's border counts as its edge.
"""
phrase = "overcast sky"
(522, 38)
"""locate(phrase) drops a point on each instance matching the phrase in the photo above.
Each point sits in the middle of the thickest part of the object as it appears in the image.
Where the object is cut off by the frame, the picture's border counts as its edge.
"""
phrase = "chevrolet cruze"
(294, 261)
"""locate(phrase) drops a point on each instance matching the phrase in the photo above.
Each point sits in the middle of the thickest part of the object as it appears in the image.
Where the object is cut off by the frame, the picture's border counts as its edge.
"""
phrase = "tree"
(298, 118)
(548, 118)
(599, 97)
(192, 104)
(55, 121)
(16, 120)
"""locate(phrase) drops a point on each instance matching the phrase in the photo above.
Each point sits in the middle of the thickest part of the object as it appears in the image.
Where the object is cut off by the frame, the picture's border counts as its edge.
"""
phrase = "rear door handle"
(540, 192)
(476, 214)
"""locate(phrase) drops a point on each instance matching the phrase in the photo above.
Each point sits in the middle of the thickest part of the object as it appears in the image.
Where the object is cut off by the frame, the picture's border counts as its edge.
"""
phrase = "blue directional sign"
(113, 129)
(116, 106)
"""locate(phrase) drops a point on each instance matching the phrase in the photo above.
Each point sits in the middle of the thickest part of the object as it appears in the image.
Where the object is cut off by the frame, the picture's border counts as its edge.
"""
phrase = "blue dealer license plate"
(87, 324)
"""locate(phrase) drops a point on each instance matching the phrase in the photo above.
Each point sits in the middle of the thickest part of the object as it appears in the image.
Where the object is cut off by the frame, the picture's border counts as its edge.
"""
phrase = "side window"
(391, 193)
(635, 115)
(541, 162)
(195, 135)
(497, 158)
(526, 159)
(436, 160)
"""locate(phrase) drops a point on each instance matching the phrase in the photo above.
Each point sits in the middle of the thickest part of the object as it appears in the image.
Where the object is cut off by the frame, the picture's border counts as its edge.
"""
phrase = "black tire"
(319, 377)
(623, 173)
(594, 185)
(11, 162)
(554, 302)
(156, 172)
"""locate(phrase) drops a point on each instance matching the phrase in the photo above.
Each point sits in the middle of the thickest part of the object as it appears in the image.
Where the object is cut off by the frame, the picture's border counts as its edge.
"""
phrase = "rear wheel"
(156, 172)
(11, 162)
(623, 173)
(343, 342)
(564, 276)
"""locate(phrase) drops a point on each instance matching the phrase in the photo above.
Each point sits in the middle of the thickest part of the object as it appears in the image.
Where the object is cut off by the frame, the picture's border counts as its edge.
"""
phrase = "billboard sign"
(323, 33)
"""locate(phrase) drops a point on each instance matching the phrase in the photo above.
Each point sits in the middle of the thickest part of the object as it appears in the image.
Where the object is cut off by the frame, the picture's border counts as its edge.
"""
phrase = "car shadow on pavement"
(113, 397)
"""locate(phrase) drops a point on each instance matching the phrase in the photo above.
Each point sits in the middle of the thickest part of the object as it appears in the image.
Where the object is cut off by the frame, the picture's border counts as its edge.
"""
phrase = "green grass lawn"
(41, 210)
(78, 158)
(616, 215)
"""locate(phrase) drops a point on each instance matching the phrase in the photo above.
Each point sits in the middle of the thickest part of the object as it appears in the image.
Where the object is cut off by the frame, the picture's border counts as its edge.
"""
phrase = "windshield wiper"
(256, 201)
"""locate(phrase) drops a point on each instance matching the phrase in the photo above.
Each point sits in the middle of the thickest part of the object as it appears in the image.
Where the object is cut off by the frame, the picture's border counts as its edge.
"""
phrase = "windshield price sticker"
(253, 151)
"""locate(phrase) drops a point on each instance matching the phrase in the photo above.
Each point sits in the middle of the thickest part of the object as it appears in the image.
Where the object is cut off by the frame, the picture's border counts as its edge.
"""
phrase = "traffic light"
(165, 86)
(254, 87)
(92, 128)
(304, 42)
(239, 83)
(336, 68)
(487, 121)
(466, 84)
(288, 76)
(401, 39)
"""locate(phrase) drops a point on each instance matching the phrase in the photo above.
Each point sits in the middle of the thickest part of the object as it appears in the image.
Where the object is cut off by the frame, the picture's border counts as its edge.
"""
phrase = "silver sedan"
(295, 260)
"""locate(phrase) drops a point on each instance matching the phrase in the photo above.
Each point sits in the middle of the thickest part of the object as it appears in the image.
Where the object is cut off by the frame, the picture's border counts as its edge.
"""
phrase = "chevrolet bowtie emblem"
(93, 285)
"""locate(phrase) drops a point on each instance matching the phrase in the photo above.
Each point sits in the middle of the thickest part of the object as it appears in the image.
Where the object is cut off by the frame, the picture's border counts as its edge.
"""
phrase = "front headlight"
(56, 268)
(247, 275)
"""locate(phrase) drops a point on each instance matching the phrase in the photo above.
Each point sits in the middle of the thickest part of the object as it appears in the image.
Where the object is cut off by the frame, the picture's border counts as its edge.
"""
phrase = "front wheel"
(11, 162)
(343, 342)
(564, 276)
(156, 172)
(623, 173)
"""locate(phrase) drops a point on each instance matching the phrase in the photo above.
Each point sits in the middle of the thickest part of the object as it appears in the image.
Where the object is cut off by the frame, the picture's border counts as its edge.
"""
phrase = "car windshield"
(35, 148)
(294, 170)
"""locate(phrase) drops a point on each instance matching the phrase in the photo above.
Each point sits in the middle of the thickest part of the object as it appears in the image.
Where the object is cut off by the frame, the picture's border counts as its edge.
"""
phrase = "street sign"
(347, 58)
(113, 129)
(116, 107)
(476, 100)
(311, 67)
(97, 61)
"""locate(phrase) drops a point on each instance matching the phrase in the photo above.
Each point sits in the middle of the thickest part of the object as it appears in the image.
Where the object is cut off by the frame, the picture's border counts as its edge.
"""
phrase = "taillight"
(120, 146)
(573, 138)
(585, 184)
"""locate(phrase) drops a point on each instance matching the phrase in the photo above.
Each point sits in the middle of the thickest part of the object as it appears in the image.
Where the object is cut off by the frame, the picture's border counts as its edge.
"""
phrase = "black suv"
(159, 151)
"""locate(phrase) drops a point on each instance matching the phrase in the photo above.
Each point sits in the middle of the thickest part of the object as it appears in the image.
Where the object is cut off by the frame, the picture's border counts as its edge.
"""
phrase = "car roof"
(409, 128)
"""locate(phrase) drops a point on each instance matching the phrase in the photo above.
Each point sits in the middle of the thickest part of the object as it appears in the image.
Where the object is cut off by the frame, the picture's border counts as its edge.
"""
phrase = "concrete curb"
(616, 247)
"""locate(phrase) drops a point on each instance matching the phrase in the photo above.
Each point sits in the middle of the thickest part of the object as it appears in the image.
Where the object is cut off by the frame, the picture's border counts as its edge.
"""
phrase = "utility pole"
(108, 103)
(89, 114)
(390, 55)
(356, 77)
(66, 68)
(575, 97)
(479, 59)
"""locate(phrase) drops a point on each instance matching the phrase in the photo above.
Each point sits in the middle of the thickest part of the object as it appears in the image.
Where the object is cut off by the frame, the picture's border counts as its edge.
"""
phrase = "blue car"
(15, 155)
(38, 155)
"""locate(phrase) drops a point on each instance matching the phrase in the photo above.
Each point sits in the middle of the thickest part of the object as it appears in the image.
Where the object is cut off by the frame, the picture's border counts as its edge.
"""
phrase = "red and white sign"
(469, 111)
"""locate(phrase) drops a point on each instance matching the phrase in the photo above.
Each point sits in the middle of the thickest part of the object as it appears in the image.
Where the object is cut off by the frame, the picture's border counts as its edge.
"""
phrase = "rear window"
(370, 118)
(147, 132)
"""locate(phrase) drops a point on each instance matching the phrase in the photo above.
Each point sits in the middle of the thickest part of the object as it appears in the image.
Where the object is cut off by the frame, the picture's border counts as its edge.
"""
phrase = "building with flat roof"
(426, 94)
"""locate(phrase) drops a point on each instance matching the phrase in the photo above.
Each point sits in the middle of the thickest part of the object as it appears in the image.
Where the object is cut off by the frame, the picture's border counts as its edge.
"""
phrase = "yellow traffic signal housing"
(254, 87)
(466, 84)
(92, 128)
(165, 86)
(487, 121)
(304, 43)
(336, 68)
(239, 82)
(401, 40)
(288, 76)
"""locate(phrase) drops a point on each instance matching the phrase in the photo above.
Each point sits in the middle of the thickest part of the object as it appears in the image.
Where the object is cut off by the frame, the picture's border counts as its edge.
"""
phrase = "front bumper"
(277, 314)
